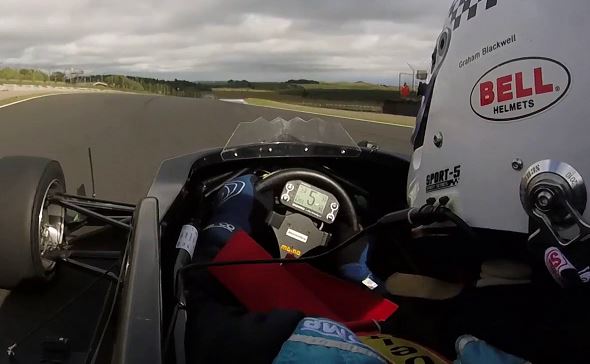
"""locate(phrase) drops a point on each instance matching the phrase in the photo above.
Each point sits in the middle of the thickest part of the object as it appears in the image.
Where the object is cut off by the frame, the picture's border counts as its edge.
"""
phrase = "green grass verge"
(55, 84)
(20, 97)
(239, 89)
(36, 82)
(11, 99)
(369, 116)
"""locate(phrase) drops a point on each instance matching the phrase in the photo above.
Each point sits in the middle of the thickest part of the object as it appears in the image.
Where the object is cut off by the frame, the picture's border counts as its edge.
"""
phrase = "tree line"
(174, 87)
(131, 83)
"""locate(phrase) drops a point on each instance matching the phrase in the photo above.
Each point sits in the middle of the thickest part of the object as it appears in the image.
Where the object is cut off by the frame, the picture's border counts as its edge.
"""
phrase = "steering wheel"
(296, 233)
(277, 180)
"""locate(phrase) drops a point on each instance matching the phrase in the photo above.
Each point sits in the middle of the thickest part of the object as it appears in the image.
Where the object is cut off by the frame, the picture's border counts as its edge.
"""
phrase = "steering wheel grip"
(277, 179)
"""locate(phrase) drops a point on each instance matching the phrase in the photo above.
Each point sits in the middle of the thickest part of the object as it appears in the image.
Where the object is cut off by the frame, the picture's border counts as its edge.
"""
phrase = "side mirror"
(367, 144)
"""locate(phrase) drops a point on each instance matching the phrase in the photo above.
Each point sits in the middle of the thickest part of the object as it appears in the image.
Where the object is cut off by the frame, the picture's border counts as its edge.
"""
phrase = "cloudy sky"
(332, 40)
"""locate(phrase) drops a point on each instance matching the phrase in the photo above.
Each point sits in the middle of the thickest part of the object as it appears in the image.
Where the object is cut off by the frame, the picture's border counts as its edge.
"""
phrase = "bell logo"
(519, 88)
(506, 91)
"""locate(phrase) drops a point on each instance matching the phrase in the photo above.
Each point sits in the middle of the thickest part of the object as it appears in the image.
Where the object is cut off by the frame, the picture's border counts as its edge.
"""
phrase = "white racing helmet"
(504, 127)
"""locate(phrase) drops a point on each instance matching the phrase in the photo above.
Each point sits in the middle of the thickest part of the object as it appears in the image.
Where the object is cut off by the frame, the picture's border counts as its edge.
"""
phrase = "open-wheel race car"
(234, 249)
(305, 159)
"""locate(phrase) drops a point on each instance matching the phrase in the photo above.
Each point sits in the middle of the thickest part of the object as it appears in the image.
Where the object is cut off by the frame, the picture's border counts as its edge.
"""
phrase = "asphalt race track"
(131, 134)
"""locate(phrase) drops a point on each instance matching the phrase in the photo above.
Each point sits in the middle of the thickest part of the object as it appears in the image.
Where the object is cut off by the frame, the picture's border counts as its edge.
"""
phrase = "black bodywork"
(147, 297)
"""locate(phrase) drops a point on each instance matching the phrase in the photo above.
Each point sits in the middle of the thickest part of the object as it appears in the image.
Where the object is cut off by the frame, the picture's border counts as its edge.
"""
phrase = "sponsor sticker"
(369, 283)
(519, 88)
(445, 178)
(291, 250)
(297, 235)
(230, 190)
(221, 225)
(398, 350)
(188, 239)
(556, 263)
(330, 329)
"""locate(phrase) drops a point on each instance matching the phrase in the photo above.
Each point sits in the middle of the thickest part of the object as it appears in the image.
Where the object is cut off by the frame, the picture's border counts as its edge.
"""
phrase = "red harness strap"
(264, 287)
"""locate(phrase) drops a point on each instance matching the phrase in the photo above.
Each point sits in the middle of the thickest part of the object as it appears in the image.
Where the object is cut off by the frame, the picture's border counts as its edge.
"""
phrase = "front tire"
(29, 223)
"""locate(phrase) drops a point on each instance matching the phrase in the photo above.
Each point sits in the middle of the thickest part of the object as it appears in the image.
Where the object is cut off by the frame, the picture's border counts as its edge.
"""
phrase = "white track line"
(334, 116)
(36, 97)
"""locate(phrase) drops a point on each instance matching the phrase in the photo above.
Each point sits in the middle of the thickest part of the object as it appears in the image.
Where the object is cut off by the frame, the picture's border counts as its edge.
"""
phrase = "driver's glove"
(231, 212)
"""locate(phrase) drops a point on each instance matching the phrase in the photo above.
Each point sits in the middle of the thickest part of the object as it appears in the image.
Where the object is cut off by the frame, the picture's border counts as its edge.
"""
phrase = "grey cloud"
(219, 39)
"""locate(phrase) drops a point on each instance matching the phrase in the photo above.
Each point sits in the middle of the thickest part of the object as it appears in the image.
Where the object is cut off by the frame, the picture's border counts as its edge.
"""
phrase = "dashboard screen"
(311, 199)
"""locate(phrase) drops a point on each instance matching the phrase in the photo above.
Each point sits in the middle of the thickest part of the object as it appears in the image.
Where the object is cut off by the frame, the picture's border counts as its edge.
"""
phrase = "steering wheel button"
(330, 217)
(285, 197)
(290, 187)
(334, 206)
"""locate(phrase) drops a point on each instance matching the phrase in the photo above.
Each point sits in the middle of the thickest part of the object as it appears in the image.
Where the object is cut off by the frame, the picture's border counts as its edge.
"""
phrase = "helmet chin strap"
(562, 259)
(554, 195)
(559, 207)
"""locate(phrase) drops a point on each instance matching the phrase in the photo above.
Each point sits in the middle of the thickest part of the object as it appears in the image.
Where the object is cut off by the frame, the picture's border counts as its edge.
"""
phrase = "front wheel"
(30, 224)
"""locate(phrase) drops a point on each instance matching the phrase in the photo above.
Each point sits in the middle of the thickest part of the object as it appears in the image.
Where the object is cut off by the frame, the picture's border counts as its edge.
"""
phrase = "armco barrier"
(401, 107)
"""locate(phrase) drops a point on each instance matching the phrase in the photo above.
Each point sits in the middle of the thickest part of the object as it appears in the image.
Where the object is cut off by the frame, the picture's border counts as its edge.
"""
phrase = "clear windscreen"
(289, 138)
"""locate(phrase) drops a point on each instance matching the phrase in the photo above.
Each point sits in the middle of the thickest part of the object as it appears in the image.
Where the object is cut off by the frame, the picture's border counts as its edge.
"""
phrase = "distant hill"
(303, 82)
(359, 85)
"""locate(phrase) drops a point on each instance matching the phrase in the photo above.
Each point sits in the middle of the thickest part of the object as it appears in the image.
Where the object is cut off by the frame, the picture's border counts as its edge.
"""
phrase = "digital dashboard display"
(311, 199)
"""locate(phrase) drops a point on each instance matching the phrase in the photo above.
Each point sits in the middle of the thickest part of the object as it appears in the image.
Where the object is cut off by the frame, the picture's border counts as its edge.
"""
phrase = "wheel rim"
(51, 224)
